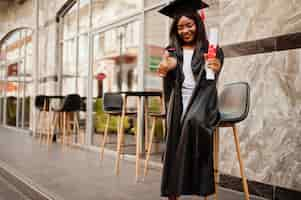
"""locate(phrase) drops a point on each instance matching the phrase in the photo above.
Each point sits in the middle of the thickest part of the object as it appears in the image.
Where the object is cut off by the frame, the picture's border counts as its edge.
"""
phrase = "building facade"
(78, 41)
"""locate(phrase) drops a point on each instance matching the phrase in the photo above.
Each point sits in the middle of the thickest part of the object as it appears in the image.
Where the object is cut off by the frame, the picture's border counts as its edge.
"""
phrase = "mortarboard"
(180, 7)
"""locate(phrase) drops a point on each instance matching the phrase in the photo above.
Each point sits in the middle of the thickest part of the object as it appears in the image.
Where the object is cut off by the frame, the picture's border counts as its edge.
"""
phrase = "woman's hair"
(200, 39)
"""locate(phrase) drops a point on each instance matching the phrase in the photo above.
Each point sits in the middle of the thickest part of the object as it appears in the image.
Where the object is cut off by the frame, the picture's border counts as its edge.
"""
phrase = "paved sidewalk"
(79, 174)
(9, 191)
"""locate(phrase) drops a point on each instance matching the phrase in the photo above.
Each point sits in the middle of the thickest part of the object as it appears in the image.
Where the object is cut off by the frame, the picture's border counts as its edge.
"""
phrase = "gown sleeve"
(220, 56)
(169, 81)
(168, 85)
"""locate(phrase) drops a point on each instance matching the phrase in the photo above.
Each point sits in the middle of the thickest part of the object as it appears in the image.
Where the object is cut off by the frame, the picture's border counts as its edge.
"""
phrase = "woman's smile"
(186, 29)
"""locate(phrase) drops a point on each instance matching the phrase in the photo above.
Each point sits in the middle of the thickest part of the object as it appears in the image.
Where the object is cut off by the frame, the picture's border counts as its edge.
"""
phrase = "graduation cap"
(179, 7)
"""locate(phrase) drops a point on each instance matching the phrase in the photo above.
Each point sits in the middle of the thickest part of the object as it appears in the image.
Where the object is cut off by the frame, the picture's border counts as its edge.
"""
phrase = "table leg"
(139, 114)
(120, 136)
(145, 117)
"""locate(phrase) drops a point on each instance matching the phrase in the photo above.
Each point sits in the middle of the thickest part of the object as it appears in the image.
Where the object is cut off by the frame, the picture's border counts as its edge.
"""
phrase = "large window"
(16, 79)
(115, 50)
(116, 57)
(101, 39)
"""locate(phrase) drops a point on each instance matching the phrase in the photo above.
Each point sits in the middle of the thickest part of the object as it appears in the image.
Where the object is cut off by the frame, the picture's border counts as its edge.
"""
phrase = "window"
(15, 77)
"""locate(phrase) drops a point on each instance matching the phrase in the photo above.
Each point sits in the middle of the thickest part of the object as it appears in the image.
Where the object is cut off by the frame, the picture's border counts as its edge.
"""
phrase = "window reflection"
(84, 15)
(115, 54)
(104, 10)
(83, 67)
(155, 41)
(15, 73)
(114, 68)
(70, 22)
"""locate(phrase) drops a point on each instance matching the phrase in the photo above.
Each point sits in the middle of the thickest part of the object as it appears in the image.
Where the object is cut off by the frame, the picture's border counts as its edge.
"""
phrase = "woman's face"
(186, 29)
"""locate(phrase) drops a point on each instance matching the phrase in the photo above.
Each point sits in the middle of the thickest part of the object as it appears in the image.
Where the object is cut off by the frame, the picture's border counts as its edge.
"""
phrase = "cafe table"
(140, 135)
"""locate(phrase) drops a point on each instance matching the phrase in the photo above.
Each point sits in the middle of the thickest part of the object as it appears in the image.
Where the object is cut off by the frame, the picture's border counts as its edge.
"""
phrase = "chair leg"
(146, 123)
(119, 143)
(206, 198)
(149, 147)
(44, 127)
(49, 137)
(39, 125)
(67, 124)
(55, 124)
(139, 115)
(51, 129)
(74, 134)
(244, 180)
(216, 159)
(78, 128)
(64, 128)
(164, 126)
(70, 130)
(105, 137)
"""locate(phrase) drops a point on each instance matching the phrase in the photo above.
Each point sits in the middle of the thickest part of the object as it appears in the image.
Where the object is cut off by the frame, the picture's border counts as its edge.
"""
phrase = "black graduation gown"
(188, 160)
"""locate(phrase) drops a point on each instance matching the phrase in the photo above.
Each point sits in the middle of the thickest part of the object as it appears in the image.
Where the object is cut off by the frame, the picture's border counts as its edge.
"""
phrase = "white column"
(36, 63)
(141, 75)
(89, 116)
(76, 46)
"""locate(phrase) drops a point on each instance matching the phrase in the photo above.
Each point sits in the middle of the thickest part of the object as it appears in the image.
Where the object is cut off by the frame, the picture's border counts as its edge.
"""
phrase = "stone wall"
(271, 135)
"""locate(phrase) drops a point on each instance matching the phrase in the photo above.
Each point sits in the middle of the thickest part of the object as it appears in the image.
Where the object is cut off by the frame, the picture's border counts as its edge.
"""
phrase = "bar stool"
(71, 105)
(112, 106)
(83, 108)
(154, 118)
(234, 102)
(42, 104)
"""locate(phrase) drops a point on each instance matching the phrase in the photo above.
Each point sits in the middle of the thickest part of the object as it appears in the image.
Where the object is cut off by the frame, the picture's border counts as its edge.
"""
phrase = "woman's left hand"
(213, 63)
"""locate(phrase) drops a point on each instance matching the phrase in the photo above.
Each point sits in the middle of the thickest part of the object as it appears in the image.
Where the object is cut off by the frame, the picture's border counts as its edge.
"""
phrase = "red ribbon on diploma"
(202, 15)
(212, 51)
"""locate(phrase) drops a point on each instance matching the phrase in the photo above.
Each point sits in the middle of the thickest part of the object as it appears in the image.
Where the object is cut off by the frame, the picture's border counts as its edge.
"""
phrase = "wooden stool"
(62, 115)
(120, 137)
(154, 117)
(42, 104)
(112, 106)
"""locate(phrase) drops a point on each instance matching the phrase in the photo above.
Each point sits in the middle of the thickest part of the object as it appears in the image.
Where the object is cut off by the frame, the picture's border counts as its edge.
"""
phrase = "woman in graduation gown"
(192, 111)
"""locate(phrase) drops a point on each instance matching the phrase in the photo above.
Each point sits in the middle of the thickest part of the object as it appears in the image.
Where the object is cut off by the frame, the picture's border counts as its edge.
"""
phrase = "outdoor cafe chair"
(71, 105)
(155, 116)
(234, 103)
(43, 125)
(112, 107)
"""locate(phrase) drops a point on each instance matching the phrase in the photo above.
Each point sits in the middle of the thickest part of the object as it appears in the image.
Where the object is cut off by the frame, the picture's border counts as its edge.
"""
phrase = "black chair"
(42, 105)
(42, 102)
(70, 105)
(112, 106)
(234, 102)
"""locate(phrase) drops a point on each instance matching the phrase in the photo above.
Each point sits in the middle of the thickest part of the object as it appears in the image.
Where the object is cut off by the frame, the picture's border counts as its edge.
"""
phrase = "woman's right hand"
(168, 63)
